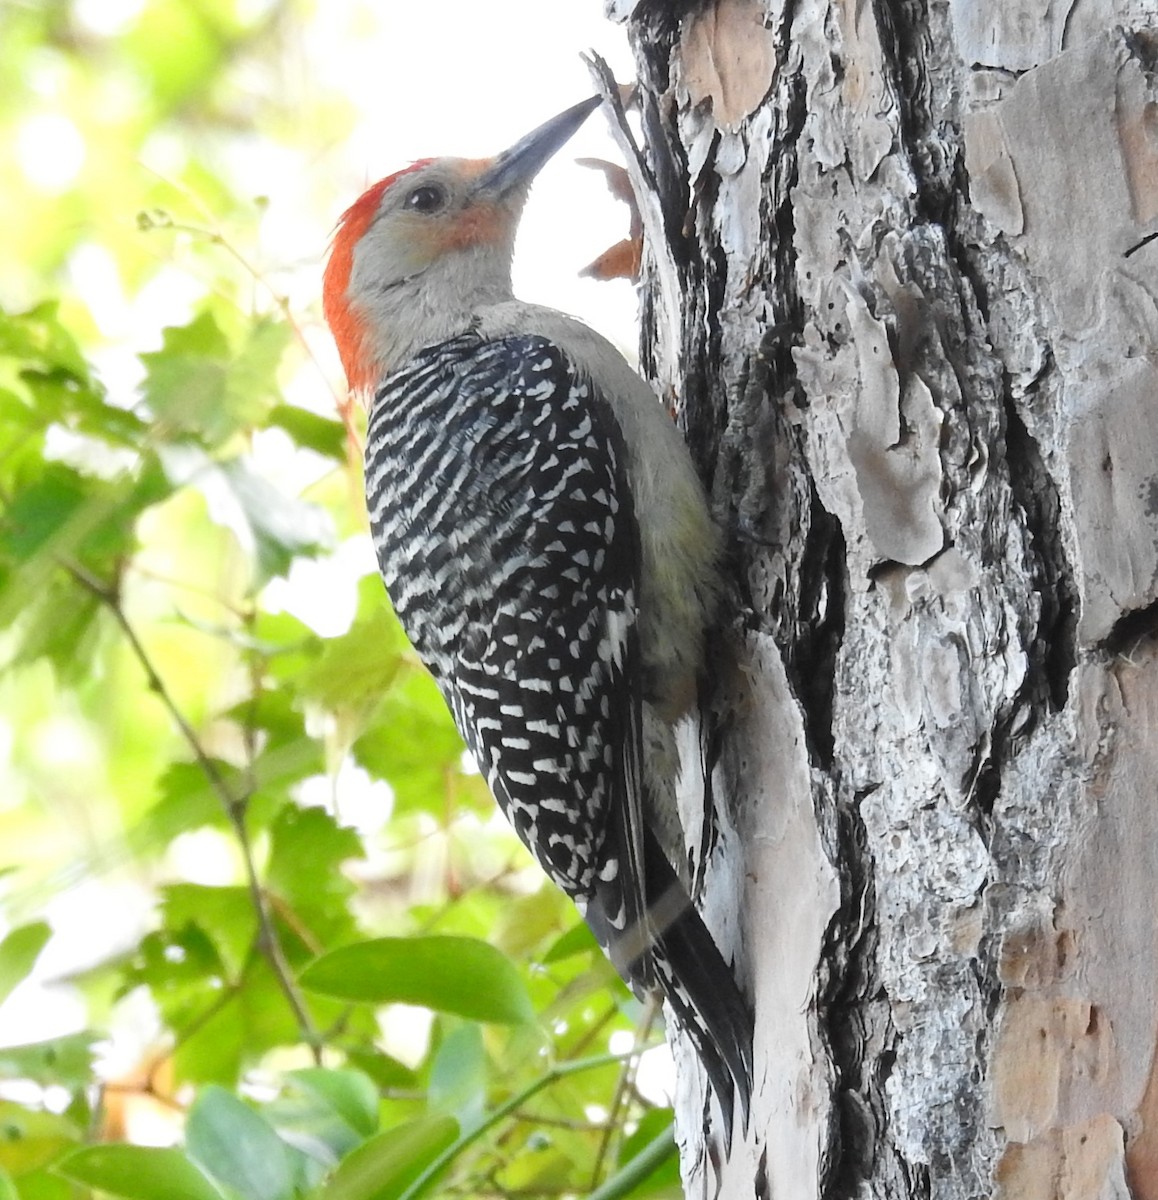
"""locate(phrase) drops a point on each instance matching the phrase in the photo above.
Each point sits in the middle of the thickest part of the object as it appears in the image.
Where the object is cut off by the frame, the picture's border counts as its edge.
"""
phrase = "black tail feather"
(699, 986)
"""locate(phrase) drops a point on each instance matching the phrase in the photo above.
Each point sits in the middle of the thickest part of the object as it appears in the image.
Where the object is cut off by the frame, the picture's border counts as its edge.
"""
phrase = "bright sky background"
(470, 82)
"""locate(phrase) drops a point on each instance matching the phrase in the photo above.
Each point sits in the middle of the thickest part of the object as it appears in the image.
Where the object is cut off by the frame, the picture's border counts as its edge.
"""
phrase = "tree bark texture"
(901, 283)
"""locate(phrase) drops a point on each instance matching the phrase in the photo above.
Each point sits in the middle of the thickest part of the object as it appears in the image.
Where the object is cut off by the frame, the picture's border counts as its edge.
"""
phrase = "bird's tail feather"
(699, 986)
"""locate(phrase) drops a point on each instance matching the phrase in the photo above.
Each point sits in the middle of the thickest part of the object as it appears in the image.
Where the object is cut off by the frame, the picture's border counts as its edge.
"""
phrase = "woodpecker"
(547, 546)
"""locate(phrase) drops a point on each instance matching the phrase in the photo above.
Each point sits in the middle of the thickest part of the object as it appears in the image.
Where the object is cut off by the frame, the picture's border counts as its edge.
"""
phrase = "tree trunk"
(901, 281)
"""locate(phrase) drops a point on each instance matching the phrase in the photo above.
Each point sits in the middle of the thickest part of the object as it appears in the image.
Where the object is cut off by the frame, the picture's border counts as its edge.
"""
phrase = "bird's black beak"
(516, 167)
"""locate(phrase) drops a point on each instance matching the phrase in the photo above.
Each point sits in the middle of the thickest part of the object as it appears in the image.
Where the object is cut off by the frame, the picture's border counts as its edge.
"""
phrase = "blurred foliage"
(239, 841)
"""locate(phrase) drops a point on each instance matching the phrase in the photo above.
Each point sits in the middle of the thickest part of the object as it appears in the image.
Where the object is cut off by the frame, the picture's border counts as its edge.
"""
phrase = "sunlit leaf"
(251, 381)
(449, 974)
(62, 627)
(412, 744)
(225, 914)
(385, 1071)
(198, 384)
(306, 852)
(524, 923)
(32, 1139)
(66, 1060)
(320, 434)
(185, 381)
(358, 667)
(138, 1173)
(19, 952)
(37, 338)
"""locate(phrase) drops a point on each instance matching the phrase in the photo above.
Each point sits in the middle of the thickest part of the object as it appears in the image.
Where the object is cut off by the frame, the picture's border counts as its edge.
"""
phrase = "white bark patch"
(898, 470)
(876, 452)
(1089, 114)
(1013, 36)
(992, 179)
(792, 886)
(728, 58)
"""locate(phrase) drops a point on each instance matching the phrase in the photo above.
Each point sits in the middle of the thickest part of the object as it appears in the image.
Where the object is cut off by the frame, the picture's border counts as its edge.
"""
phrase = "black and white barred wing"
(507, 539)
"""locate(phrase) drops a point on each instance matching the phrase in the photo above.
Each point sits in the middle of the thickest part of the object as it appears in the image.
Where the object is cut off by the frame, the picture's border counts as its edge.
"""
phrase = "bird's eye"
(428, 198)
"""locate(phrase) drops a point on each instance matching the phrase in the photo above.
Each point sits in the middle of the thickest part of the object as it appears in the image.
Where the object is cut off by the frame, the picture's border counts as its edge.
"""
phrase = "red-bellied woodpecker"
(548, 549)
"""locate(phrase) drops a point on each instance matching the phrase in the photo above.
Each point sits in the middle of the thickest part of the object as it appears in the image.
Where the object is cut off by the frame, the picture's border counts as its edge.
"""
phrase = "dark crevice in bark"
(852, 1016)
(780, 222)
(904, 35)
(665, 15)
(706, 413)
(655, 35)
(1130, 631)
(1053, 646)
(810, 654)
(1143, 45)
(987, 783)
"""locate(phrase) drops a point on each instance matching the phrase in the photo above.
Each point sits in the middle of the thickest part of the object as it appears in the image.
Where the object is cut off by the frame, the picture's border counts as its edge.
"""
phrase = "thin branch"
(624, 1088)
(527, 1118)
(554, 1075)
(235, 807)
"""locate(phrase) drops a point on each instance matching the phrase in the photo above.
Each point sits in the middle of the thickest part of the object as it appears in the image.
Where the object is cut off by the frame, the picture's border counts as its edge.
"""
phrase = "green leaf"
(458, 1076)
(577, 940)
(237, 1147)
(60, 500)
(350, 1094)
(212, 1041)
(37, 337)
(412, 744)
(138, 1173)
(225, 914)
(251, 383)
(185, 380)
(386, 1072)
(64, 513)
(32, 1139)
(387, 1164)
(62, 626)
(449, 974)
(7, 1187)
(196, 385)
(19, 952)
(320, 434)
(63, 1060)
(358, 667)
(307, 850)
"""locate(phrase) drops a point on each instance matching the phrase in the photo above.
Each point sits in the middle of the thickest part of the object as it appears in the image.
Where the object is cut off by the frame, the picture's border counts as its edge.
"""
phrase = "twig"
(625, 1084)
(443, 1160)
(625, 1181)
(235, 807)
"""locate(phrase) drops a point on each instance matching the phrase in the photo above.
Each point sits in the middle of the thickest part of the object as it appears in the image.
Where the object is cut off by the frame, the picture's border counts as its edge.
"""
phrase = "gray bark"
(901, 279)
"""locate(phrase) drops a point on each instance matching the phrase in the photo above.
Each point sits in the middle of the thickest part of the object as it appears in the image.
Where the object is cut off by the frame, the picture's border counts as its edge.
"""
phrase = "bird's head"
(417, 254)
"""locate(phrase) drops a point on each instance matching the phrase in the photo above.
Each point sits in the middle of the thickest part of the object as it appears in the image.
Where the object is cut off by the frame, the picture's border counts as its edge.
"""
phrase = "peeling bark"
(901, 281)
